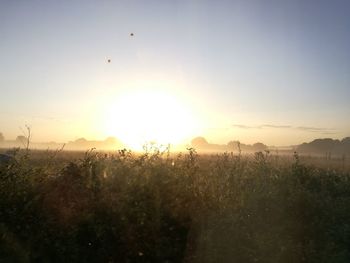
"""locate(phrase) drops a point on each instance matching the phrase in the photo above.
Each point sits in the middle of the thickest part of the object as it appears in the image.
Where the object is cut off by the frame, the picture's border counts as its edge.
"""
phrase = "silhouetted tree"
(259, 147)
(233, 145)
(21, 139)
(199, 142)
(2, 138)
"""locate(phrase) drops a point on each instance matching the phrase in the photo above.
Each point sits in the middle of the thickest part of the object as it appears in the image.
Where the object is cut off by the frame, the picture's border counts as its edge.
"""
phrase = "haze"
(271, 71)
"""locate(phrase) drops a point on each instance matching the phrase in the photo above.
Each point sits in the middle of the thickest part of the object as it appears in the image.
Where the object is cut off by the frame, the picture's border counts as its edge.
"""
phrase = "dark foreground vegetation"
(157, 207)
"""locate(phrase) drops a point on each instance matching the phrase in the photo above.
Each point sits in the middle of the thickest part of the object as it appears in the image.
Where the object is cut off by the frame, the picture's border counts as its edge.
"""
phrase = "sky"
(274, 71)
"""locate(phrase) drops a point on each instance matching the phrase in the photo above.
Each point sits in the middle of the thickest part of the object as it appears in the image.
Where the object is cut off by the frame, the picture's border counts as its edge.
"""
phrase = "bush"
(162, 207)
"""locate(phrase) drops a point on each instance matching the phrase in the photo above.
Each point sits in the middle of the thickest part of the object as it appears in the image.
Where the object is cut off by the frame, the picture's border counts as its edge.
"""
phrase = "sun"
(143, 116)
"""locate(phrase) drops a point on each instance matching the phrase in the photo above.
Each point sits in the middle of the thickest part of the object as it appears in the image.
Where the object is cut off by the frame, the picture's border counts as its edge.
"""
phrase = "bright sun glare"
(140, 117)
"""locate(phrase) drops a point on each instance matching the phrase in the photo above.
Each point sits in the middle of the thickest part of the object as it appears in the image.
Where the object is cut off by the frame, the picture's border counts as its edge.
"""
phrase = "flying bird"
(109, 60)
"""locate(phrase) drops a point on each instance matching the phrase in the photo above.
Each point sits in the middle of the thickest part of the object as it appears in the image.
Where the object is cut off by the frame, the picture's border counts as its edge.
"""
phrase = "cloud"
(276, 126)
(219, 129)
(240, 126)
(313, 129)
(329, 133)
(321, 130)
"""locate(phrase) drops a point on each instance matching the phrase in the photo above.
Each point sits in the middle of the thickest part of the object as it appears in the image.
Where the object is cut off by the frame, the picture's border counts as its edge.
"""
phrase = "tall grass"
(163, 207)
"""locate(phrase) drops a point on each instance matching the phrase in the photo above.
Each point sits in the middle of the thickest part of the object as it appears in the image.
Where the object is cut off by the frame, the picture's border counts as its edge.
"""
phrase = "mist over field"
(175, 131)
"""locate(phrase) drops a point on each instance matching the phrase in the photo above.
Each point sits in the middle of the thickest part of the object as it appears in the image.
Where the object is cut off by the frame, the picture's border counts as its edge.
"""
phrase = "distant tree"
(21, 139)
(346, 140)
(319, 146)
(233, 145)
(259, 146)
(80, 140)
(2, 138)
(199, 141)
(111, 142)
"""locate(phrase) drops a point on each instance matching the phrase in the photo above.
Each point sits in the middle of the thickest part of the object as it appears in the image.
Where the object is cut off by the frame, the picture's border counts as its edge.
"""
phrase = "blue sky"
(240, 64)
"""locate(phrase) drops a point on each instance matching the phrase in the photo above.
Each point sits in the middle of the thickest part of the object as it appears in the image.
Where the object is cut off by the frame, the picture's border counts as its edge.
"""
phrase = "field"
(163, 207)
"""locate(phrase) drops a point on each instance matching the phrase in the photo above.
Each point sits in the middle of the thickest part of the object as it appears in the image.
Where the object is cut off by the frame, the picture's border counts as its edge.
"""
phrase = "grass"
(163, 207)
